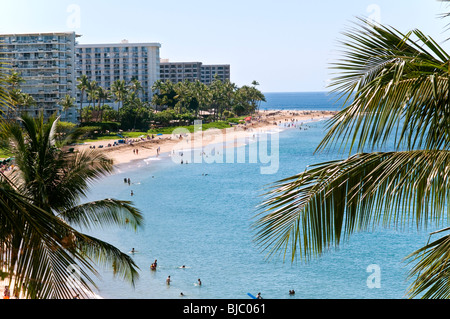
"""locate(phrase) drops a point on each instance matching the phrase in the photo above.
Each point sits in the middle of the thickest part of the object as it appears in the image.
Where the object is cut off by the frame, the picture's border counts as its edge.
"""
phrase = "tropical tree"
(119, 90)
(82, 86)
(92, 92)
(14, 80)
(165, 94)
(103, 96)
(397, 87)
(41, 206)
(67, 102)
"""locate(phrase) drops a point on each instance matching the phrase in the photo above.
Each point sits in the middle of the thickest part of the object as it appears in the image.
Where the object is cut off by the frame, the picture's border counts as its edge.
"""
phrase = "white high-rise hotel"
(51, 63)
(46, 61)
(106, 63)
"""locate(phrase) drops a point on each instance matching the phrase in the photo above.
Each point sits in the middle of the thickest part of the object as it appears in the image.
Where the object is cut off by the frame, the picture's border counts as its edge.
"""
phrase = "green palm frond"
(398, 84)
(32, 249)
(308, 213)
(54, 182)
(102, 213)
(105, 254)
(396, 87)
(431, 272)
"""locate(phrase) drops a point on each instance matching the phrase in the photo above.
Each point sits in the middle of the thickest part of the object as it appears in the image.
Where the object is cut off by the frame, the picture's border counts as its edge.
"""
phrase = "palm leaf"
(431, 270)
(308, 213)
(398, 86)
(102, 213)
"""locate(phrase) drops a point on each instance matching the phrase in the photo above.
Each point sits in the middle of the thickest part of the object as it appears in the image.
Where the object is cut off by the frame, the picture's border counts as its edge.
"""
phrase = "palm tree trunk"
(81, 107)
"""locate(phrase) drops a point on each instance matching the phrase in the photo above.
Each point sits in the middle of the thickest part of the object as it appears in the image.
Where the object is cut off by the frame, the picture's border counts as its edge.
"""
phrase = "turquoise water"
(204, 222)
(323, 101)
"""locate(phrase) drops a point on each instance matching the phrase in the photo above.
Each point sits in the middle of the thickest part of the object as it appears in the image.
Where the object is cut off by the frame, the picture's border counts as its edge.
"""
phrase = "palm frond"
(102, 213)
(308, 213)
(398, 86)
(431, 272)
(32, 249)
(105, 254)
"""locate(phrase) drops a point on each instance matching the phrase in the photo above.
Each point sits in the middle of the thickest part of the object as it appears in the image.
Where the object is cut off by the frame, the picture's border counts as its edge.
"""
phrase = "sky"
(285, 45)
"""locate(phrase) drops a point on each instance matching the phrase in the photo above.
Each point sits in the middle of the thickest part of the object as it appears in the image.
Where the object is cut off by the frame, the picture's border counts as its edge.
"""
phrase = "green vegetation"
(398, 85)
(176, 104)
(41, 210)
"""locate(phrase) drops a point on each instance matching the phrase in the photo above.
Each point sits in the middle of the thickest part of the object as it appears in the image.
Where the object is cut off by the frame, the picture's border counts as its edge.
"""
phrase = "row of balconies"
(31, 42)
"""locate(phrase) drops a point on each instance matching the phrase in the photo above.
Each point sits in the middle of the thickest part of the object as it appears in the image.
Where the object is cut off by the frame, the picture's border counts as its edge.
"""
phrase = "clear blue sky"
(286, 45)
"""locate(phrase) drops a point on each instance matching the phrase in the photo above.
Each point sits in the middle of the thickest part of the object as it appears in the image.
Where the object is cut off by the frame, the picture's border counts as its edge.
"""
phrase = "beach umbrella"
(248, 118)
(159, 134)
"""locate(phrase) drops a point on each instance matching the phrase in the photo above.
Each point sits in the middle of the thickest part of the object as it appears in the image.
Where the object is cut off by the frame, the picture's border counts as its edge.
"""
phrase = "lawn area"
(164, 130)
(4, 154)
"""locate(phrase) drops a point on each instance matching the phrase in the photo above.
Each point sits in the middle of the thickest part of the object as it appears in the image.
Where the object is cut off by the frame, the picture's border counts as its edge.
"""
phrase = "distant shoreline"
(263, 121)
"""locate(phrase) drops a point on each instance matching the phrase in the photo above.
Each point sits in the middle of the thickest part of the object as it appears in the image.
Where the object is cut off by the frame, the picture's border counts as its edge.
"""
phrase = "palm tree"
(136, 86)
(92, 92)
(398, 86)
(82, 86)
(119, 90)
(14, 80)
(52, 182)
(67, 102)
(104, 95)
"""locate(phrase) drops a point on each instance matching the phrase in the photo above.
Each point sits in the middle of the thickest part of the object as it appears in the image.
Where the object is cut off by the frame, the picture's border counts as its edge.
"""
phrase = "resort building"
(193, 71)
(106, 63)
(46, 61)
(210, 72)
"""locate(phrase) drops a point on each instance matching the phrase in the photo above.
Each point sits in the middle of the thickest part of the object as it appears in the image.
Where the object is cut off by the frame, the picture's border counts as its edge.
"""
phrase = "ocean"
(200, 216)
(319, 101)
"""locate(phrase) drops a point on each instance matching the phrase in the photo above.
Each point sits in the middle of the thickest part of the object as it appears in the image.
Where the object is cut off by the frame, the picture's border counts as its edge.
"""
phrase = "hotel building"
(46, 61)
(106, 63)
(193, 71)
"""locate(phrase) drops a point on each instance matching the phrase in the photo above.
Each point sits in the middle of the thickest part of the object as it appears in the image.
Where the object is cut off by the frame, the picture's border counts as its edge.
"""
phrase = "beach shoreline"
(144, 148)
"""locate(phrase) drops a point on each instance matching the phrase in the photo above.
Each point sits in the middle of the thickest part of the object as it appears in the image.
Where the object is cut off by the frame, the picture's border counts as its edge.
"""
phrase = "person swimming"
(153, 266)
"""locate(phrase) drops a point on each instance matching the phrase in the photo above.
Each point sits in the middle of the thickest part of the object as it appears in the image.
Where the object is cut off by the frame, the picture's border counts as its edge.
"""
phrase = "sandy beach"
(137, 149)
